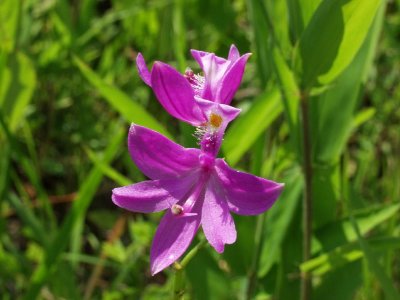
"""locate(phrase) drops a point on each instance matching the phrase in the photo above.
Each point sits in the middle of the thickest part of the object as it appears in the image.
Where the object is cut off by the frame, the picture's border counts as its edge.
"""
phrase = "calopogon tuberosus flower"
(182, 95)
(194, 187)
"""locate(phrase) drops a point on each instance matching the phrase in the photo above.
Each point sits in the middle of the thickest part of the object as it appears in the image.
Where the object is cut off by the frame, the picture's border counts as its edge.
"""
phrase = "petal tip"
(113, 198)
(280, 186)
(220, 249)
(154, 270)
(139, 56)
(158, 266)
(132, 129)
(158, 64)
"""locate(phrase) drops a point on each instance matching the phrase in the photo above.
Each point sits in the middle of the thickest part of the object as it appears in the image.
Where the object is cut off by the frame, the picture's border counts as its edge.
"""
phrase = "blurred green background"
(69, 90)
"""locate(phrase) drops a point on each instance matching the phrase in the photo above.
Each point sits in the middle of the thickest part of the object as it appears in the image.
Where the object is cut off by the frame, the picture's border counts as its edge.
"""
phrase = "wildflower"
(179, 94)
(195, 188)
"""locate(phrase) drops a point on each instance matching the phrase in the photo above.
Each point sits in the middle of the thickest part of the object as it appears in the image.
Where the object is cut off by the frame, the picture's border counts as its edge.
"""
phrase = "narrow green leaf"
(248, 127)
(129, 109)
(179, 36)
(26, 215)
(77, 212)
(296, 21)
(374, 265)
(333, 111)
(332, 39)
(362, 117)
(8, 24)
(207, 280)
(326, 192)
(348, 253)
(300, 13)
(278, 221)
(291, 97)
(5, 153)
(341, 232)
(16, 88)
(107, 170)
(262, 38)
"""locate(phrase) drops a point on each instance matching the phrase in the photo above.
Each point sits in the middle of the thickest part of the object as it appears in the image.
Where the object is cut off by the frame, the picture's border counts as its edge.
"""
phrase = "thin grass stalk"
(307, 200)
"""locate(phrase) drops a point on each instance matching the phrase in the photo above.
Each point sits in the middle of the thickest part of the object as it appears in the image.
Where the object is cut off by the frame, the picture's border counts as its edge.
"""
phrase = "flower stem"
(307, 200)
(179, 282)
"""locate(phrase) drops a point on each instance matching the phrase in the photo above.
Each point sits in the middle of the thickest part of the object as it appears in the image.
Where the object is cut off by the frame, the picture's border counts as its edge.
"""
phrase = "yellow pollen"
(215, 120)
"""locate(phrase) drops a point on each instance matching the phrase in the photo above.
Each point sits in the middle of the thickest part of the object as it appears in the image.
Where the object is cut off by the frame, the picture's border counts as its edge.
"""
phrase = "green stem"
(179, 282)
(307, 201)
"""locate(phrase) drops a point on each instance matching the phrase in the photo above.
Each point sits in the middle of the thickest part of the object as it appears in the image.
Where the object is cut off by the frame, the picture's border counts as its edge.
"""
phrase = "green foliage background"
(69, 90)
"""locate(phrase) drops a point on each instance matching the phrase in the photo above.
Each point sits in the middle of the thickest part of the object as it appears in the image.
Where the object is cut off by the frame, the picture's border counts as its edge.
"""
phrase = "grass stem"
(307, 200)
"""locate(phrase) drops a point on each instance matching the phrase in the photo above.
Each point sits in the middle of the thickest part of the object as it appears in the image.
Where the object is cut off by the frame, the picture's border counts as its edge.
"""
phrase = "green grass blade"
(29, 219)
(250, 125)
(374, 265)
(278, 221)
(348, 253)
(129, 109)
(341, 232)
(332, 38)
(108, 170)
(77, 212)
(262, 38)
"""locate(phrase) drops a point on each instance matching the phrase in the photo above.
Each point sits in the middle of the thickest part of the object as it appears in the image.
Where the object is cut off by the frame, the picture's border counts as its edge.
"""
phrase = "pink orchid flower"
(180, 94)
(196, 188)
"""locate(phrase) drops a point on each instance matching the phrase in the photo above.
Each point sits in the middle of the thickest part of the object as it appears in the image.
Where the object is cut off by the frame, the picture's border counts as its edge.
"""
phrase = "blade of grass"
(128, 108)
(28, 218)
(107, 169)
(249, 126)
(79, 207)
(348, 253)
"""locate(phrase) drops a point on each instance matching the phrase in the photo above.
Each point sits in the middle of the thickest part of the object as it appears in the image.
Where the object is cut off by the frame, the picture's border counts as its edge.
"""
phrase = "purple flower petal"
(233, 53)
(218, 117)
(158, 157)
(152, 195)
(142, 69)
(247, 194)
(173, 237)
(231, 81)
(227, 112)
(199, 56)
(214, 68)
(175, 94)
(216, 220)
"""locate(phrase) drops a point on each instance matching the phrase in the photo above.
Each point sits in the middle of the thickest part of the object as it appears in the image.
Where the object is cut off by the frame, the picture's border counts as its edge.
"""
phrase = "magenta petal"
(152, 195)
(142, 69)
(198, 56)
(247, 194)
(175, 94)
(173, 237)
(158, 157)
(233, 53)
(214, 68)
(232, 79)
(216, 220)
(227, 112)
